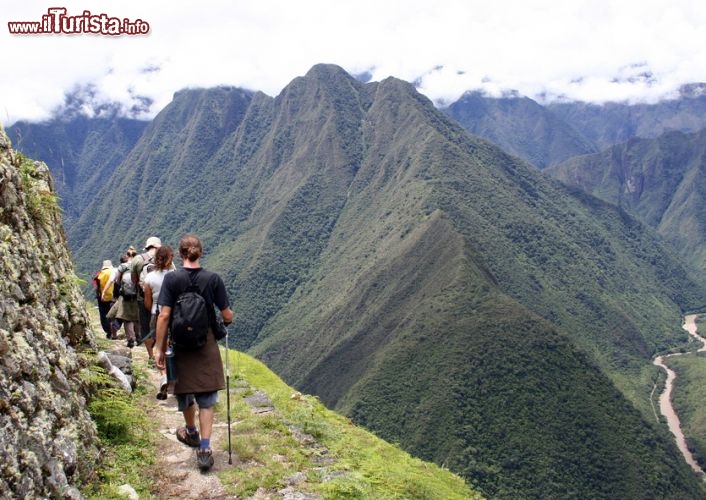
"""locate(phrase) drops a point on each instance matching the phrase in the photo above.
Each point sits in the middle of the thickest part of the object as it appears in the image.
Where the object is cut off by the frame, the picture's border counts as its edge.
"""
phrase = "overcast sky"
(593, 50)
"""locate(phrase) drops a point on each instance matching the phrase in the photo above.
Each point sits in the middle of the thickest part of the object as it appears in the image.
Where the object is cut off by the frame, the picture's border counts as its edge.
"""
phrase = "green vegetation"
(126, 434)
(42, 203)
(584, 265)
(521, 127)
(340, 459)
(657, 181)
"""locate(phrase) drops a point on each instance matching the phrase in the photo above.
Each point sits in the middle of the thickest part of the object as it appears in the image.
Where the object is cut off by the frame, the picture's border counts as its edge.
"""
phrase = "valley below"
(665, 399)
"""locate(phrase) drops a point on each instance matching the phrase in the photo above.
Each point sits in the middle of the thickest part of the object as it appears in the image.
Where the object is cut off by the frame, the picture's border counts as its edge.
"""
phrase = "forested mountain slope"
(83, 153)
(521, 127)
(445, 294)
(660, 180)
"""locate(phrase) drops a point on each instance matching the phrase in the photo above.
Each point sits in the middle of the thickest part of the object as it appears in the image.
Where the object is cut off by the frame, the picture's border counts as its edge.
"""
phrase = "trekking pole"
(230, 460)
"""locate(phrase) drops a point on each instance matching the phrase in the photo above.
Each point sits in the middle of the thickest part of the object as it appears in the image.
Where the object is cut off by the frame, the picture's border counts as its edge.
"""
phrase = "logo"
(57, 22)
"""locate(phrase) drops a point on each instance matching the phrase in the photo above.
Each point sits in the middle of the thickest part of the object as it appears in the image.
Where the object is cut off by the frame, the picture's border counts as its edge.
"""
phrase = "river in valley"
(665, 399)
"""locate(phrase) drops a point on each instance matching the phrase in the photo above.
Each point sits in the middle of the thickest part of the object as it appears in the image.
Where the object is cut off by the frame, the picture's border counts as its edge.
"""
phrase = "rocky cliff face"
(48, 443)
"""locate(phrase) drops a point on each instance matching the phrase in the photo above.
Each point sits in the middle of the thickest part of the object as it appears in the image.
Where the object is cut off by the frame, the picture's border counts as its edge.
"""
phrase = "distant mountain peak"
(692, 90)
(326, 69)
(87, 101)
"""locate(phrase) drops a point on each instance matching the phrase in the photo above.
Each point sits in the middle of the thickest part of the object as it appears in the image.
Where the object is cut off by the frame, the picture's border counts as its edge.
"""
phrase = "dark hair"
(190, 247)
(131, 252)
(163, 257)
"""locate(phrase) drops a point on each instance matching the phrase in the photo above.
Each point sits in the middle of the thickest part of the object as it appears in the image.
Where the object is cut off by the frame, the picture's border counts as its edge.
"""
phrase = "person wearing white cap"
(144, 260)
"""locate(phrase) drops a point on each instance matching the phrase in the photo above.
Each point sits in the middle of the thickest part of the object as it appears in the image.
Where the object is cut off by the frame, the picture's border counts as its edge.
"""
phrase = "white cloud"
(580, 49)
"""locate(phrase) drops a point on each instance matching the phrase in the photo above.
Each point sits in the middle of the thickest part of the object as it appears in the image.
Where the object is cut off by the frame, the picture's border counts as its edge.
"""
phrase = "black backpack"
(190, 319)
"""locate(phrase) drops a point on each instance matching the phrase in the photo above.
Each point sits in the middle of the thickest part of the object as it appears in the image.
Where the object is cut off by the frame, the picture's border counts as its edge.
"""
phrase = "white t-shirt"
(154, 280)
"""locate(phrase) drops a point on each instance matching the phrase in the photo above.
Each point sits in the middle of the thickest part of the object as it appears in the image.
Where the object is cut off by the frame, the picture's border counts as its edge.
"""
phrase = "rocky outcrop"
(48, 444)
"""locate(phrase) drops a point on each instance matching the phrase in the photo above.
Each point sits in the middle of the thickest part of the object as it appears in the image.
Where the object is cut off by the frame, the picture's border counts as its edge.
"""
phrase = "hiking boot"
(204, 459)
(189, 439)
(162, 394)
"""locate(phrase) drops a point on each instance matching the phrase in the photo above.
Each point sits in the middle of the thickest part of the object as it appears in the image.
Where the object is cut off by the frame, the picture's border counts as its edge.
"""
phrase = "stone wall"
(48, 443)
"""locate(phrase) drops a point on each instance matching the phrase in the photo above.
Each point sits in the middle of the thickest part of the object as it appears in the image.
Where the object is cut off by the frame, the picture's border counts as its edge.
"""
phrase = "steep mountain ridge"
(521, 127)
(168, 158)
(380, 255)
(391, 312)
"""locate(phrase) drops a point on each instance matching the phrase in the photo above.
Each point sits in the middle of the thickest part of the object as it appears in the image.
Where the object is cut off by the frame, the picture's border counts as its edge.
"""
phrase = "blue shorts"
(203, 399)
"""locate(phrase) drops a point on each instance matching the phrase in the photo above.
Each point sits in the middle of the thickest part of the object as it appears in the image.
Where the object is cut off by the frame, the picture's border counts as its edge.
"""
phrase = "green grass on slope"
(339, 459)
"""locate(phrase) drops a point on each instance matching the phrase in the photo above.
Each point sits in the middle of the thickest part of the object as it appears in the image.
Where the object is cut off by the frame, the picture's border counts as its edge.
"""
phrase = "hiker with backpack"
(104, 294)
(125, 309)
(142, 264)
(152, 286)
(186, 323)
(114, 286)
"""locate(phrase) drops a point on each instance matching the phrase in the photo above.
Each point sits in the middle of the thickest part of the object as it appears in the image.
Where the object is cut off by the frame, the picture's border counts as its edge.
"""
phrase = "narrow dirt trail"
(176, 473)
(665, 399)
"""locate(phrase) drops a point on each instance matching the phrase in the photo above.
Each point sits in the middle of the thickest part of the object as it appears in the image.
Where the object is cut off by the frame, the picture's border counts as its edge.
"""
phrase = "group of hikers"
(141, 295)
(121, 292)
